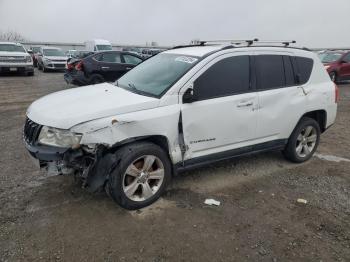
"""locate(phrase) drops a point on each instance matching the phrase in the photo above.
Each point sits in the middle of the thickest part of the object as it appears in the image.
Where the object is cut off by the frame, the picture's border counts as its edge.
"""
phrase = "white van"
(98, 45)
(183, 108)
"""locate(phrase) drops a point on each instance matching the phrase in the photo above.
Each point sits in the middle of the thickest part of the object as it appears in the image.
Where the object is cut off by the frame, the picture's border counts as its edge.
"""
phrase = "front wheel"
(304, 140)
(141, 175)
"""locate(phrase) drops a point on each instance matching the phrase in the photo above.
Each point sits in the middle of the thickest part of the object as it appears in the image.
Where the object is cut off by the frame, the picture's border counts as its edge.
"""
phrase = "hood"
(6, 53)
(68, 108)
(56, 57)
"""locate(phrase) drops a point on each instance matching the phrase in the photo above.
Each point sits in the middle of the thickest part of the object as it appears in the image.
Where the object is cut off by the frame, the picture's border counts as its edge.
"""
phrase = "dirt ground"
(259, 219)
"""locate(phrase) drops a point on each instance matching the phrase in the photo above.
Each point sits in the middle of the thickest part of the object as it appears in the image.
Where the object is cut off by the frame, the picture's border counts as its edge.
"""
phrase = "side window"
(98, 57)
(269, 71)
(347, 58)
(227, 77)
(288, 71)
(305, 66)
(111, 58)
(130, 59)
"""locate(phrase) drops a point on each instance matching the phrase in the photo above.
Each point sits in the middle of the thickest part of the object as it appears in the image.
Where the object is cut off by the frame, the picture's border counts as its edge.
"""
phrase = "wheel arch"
(159, 140)
(320, 116)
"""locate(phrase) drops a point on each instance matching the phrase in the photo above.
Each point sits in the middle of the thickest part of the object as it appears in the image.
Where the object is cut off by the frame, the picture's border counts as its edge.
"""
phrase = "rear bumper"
(76, 78)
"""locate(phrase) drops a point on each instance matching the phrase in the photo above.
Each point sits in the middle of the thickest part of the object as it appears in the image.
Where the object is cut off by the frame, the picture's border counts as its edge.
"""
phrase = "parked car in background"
(337, 64)
(100, 67)
(15, 58)
(36, 51)
(51, 58)
(97, 45)
(71, 53)
(147, 53)
(133, 50)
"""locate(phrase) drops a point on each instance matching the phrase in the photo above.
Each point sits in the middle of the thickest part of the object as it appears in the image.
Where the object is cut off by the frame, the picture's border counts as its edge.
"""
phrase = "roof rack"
(249, 42)
(235, 42)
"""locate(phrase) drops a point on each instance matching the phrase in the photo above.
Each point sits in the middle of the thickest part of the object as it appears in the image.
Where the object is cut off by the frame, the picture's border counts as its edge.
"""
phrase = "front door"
(223, 117)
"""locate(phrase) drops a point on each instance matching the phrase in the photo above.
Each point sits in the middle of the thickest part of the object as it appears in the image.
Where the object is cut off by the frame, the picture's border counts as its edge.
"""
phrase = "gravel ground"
(51, 219)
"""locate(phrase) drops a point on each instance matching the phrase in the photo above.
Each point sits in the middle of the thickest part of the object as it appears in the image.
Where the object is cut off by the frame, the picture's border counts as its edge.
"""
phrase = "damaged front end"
(90, 164)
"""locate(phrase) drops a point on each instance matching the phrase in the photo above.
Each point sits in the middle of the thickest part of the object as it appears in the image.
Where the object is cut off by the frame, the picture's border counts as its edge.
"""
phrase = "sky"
(312, 23)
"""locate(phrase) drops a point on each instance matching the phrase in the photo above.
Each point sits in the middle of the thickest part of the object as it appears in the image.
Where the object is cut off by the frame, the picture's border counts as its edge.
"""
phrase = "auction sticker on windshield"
(186, 59)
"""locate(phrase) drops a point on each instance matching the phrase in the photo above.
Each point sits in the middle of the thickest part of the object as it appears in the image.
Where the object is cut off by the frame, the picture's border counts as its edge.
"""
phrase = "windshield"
(36, 49)
(330, 57)
(155, 75)
(11, 48)
(103, 47)
(53, 52)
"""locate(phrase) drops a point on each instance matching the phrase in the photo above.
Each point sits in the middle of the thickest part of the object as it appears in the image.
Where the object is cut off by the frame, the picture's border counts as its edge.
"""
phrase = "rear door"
(281, 100)
(110, 66)
(344, 71)
(223, 117)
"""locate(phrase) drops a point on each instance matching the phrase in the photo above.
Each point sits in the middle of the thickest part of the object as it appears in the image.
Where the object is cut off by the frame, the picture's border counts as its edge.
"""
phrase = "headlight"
(47, 60)
(58, 137)
(28, 59)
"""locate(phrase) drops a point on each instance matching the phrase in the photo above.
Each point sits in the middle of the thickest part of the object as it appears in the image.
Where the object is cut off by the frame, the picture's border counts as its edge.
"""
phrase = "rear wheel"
(303, 142)
(141, 175)
(96, 79)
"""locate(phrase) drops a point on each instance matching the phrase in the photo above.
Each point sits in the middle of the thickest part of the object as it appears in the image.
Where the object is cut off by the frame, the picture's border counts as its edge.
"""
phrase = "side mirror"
(188, 96)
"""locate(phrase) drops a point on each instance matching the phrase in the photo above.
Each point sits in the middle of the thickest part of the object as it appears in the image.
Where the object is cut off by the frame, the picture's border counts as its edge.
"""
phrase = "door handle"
(105, 67)
(128, 68)
(244, 104)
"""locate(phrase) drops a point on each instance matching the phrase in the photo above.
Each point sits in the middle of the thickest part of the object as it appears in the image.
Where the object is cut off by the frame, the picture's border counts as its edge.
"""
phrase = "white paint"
(331, 158)
(210, 126)
(212, 202)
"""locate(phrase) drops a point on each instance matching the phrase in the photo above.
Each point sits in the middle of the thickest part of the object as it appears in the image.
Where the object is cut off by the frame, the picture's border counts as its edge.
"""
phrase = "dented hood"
(68, 108)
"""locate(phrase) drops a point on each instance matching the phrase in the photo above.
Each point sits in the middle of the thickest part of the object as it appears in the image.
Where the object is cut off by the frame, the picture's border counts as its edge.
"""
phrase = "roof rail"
(235, 43)
(286, 43)
(231, 41)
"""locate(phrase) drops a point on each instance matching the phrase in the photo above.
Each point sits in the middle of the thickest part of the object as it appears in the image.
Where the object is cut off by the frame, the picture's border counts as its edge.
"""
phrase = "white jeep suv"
(183, 108)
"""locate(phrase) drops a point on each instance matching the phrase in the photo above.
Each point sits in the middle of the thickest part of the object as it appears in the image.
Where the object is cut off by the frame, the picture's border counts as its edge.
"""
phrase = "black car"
(100, 67)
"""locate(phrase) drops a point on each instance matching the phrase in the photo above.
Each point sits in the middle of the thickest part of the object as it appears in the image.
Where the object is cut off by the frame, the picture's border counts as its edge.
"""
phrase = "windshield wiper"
(132, 86)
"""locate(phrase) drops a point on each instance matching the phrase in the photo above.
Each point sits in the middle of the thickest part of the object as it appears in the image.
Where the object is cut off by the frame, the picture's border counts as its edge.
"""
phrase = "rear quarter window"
(304, 67)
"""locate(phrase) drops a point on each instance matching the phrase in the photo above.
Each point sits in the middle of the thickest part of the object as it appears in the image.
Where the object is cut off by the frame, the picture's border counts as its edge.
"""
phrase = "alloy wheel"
(306, 141)
(143, 178)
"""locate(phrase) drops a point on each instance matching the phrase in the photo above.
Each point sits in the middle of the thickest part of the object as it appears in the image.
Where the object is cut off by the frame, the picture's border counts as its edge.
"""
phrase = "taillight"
(79, 66)
(70, 66)
(337, 95)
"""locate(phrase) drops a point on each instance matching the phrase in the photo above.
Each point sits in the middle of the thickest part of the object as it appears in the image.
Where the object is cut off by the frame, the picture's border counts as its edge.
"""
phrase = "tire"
(43, 69)
(334, 77)
(30, 74)
(135, 189)
(39, 66)
(304, 141)
(96, 79)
